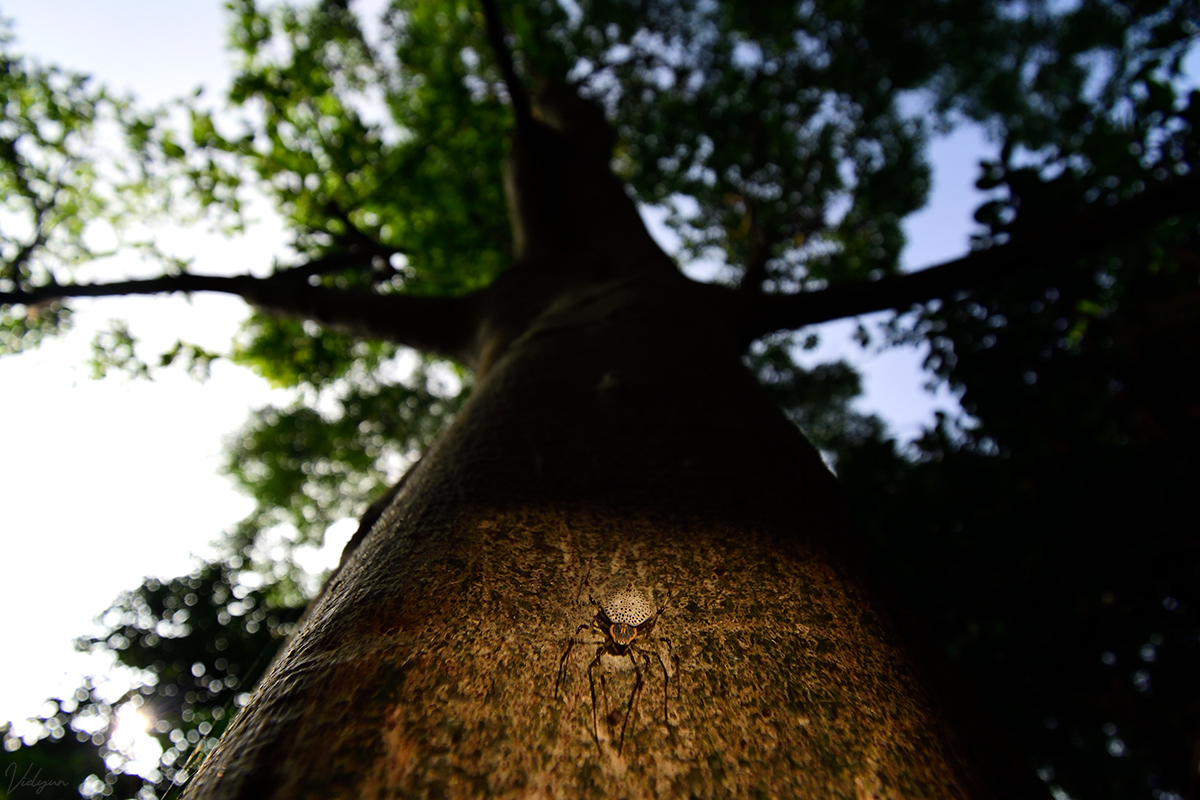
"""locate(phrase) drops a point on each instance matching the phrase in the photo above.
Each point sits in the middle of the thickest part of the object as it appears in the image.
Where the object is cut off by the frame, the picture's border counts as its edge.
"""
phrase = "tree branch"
(25, 254)
(504, 60)
(759, 251)
(442, 325)
(354, 236)
(1048, 250)
(353, 257)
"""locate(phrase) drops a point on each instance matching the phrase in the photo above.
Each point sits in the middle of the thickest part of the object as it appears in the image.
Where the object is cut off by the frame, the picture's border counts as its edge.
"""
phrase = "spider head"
(622, 634)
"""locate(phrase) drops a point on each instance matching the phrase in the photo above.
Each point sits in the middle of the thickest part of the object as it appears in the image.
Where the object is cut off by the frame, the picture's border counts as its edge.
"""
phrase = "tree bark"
(619, 442)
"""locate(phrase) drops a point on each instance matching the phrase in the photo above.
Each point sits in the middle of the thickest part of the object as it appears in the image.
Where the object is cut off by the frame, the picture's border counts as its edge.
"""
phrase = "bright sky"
(105, 482)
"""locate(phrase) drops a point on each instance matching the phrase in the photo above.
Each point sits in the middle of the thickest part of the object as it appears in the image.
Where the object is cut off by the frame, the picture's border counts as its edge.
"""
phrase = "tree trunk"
(617, 443)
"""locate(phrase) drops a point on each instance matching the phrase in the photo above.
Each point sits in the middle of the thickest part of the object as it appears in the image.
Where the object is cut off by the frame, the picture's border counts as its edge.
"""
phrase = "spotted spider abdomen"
(625, 615)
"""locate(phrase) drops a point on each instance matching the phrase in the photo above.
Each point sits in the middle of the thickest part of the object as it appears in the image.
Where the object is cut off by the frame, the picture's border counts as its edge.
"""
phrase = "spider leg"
(650, 670)
(607, 705)
(637, 690)
(666, 675)
(582, 584)
(592, 683)
(562, 666)
(661, 609)
(675, 664)
(562, 662)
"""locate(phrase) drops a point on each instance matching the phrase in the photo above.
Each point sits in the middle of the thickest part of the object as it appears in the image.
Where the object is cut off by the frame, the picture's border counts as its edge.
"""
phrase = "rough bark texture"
(618, 442)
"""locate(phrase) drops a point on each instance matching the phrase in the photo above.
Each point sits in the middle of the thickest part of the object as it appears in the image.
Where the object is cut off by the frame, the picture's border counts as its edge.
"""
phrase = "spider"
(620, 620)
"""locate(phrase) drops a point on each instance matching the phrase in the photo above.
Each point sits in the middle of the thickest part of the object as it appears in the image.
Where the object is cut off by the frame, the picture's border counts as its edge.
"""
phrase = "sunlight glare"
(139, 751)
(130, 725)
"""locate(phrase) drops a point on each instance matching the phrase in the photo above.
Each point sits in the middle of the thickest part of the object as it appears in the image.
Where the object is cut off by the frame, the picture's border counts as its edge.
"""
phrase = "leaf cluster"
(115, 350)
(51, 186)
(192, 648)
(375, 144)
(1055, 517)
(818, 400)
(309, 467)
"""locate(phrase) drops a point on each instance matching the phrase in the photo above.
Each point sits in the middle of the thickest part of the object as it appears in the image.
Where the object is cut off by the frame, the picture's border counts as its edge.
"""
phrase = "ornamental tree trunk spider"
(622, 622)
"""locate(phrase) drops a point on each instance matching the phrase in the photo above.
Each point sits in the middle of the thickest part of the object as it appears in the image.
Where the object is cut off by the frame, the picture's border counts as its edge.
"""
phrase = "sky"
(105, 482)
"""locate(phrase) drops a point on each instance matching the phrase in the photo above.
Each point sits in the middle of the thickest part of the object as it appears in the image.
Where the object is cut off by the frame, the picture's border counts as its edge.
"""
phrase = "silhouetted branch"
(442, 325)
(351, 258)
(1050, 249)
(504, 60)
(353, 235)
(759, 254)
(15, 267)
(160, 285)
(756, 270)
